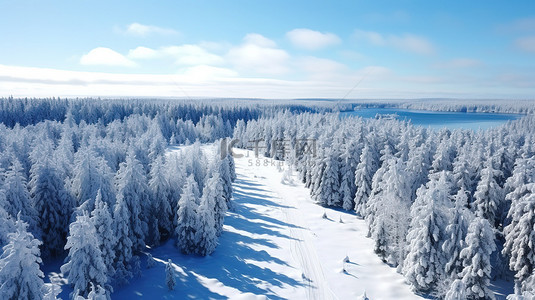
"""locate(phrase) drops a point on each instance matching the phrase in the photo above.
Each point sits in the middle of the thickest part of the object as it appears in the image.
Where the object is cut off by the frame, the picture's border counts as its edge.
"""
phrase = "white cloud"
(526, 44)
(191, 55)
(105, 57)
(311, 39)
(259, 54)
(204, 72)
(406, 42)
(259, 40)
(182, 55)
(143, 53)
(206, 81)
(136, 29)
(321, 68)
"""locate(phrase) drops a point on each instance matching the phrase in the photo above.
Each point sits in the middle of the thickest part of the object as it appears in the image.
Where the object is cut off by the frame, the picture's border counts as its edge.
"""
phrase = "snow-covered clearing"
(276, 245)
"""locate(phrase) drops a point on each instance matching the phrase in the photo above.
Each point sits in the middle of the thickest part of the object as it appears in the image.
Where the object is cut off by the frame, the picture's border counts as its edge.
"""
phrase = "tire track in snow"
(302, 247)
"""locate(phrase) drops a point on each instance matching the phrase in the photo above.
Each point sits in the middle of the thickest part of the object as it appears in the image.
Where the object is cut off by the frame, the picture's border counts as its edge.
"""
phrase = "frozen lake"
(437, 119)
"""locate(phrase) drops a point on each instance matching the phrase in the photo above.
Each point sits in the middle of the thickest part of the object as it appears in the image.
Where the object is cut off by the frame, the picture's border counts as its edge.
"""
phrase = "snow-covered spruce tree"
(187, 218)
(52, 291)
(488, 195)
(418, 165)
(18, 197)
(350, 157)
(132, 187)
(378, 186)
(123, 247)
(363, 179)
(444, 156)
(96, 293)
(529, 287)
(226, 176)
(20, 276)
(53, 205)
(214, 190)
(455, 234)
(520, 235)
(330, 181)
(457, 291)
(7, 225)
(84, 263)
(176, 176)
(380, 236)
(389, 205)
(206, 229)
(91, 174)
(476, 259)
(170, 280)
(463, 174)
(103, 222)
(161, 200)
(424, 265)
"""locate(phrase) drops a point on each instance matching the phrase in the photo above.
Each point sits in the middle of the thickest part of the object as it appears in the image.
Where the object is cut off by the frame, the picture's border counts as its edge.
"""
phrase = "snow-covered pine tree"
(161, 198)
(20, 275)
(170, 280)
(123, 247)
(380, 236)
(103, 222)
(214, 190)
(225, 175)
(206, 229)
(444, 156)
(84, 264)
(350, 157)
(476, 259)
(418, 165)
(187, 218)
(18, 197)
(457, 291)
(176, 176)
(53, 205)
(91, 174)
(455, 234)
(52, 291)
(520, 235)
(488, 195)
(132, 187)
(424, 265)
(463, 174)
(363, 179)
(388, 206)
(330, 181)
(7, 225)
(97, 293)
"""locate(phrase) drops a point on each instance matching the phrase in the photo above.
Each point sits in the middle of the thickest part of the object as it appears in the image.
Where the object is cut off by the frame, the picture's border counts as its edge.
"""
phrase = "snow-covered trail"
(318, 246)
(302, 249)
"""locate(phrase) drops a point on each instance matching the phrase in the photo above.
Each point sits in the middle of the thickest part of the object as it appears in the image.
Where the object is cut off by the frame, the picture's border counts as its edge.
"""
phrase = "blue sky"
(268, 49)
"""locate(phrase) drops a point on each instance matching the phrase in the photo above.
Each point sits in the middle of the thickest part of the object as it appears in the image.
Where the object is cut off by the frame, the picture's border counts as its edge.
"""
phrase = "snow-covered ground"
(275, 245)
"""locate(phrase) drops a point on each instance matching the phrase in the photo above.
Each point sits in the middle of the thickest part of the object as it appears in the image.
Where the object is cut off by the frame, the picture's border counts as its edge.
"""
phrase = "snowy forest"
(92, 182)
(469, 194)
